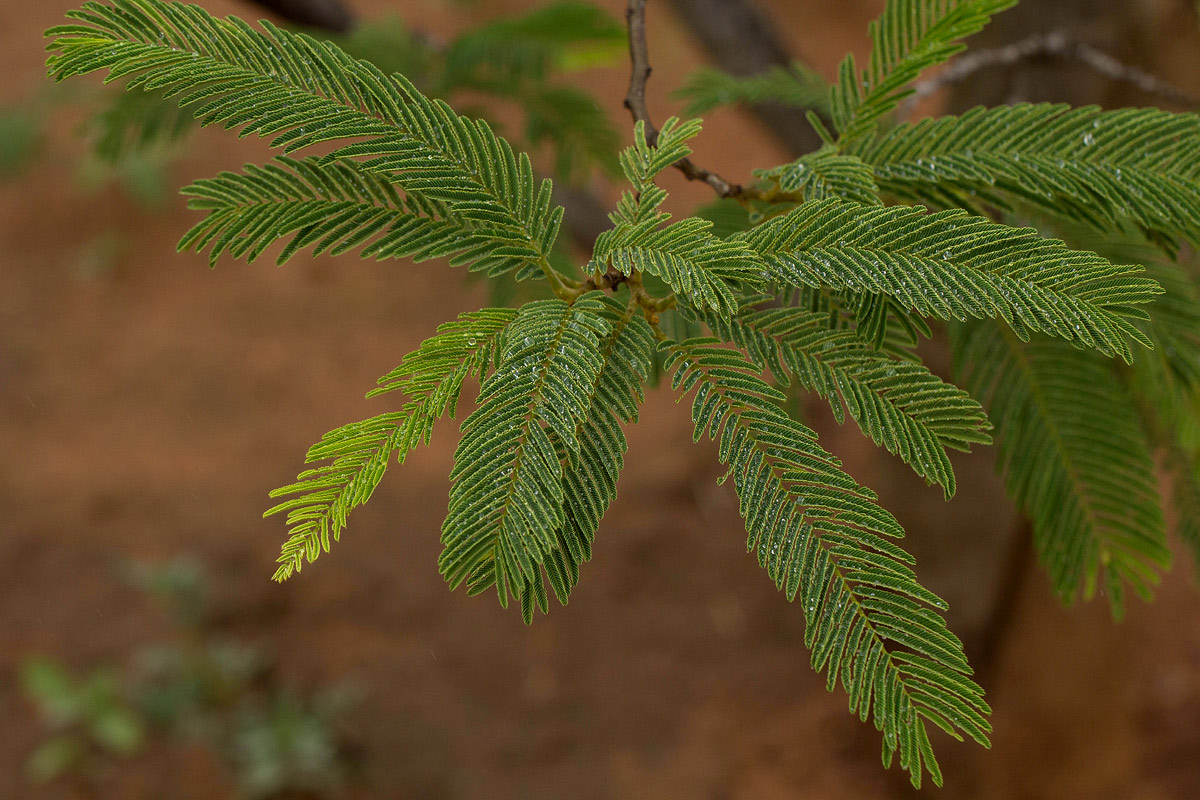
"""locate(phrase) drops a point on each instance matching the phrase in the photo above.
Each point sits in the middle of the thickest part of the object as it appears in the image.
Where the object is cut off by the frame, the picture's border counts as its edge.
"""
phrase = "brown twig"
(1055, 45)
(635, 101)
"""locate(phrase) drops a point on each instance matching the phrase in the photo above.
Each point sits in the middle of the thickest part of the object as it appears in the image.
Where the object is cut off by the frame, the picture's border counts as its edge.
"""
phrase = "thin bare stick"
(1056, 45)
(635, 101)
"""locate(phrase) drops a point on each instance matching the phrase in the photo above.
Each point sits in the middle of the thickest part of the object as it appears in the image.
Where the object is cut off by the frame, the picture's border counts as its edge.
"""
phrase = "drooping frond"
(909, 37)
(332, 207)
(506, 501)
(898, 404)
(324, 496)
(953, 266)
(1075, 457)
(591, 472)
(823, 539)
(700, 267)
(823, 174)
(431, 377)
(1130, 166)
(797, 86)
(303, 92)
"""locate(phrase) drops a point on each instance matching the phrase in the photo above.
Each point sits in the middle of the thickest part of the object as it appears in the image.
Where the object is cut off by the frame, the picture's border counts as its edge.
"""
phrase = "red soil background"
(146, 409)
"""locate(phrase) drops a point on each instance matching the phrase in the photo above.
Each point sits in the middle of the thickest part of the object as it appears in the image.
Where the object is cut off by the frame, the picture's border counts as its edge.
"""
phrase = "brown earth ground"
(146, 408)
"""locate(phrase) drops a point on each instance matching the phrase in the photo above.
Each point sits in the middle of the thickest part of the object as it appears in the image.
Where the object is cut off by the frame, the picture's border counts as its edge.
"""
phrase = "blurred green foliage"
(192, 686)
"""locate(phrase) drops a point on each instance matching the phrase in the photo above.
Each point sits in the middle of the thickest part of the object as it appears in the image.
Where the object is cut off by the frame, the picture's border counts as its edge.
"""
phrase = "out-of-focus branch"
(635, 101)
(329, 15)
(742, 41)
(1053, 46)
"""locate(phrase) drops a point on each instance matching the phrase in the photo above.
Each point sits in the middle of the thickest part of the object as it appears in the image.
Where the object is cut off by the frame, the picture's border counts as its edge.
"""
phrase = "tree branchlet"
(635, 101)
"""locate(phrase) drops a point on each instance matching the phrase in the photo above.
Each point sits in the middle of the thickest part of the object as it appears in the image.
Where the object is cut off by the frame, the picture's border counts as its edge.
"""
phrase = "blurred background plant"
(195, 685)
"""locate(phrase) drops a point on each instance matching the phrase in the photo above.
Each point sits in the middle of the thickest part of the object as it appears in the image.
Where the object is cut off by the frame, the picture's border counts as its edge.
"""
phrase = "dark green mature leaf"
(333, 207)
(591, 472)
(1137, 166)
(822, 539)
(898, 404)
(953, 266)
(1075, 457)
(303, 92)
(506, 501)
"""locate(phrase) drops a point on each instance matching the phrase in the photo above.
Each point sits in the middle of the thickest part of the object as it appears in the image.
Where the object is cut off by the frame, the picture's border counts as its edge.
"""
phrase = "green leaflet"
(303, 92)
(822, 539)
(322, 497)
(898, 404)
(506, 498)
(953, 266)
(1134, 166)
(909, 37)
(1074, 456)
(824, 174)
(702, 269)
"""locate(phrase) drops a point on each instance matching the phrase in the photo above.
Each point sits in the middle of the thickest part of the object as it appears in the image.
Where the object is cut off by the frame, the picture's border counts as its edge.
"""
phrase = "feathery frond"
(333, 207)
(1130, 166)
(506, 498)
(953, 266)
(431, 376)
(399, 175)
(303, 92)
(797, 86)
(591, 472)
(898, 404)
(909, 37)
(1075, 457)
(822, 538)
